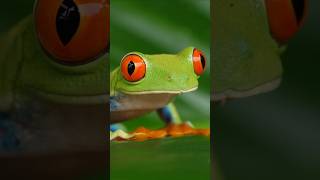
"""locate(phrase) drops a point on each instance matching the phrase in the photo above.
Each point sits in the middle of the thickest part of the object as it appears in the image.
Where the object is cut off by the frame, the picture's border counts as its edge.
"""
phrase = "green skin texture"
(165, 74)
(25, 69)
(245, 56)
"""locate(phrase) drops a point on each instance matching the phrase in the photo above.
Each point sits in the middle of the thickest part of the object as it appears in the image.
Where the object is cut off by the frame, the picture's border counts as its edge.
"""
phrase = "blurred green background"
(157, 27)
(276, 135)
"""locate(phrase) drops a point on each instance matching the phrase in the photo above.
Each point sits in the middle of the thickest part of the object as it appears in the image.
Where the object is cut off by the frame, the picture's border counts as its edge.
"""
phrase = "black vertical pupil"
(203, 61)
(298, 6)
(131, 68)
(67, 21)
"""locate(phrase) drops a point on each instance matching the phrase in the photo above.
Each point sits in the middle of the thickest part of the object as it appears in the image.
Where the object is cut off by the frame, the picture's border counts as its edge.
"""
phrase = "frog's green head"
(162, 73)
(247, 41)
(58, 56)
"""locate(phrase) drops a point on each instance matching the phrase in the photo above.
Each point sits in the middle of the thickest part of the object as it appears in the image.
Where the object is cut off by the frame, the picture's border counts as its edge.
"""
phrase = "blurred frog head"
(248, 37)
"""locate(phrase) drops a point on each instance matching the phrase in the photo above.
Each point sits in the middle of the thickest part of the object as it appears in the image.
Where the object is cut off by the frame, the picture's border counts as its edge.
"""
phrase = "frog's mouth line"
(93, 99)
(159, 92)
(70, 99)
(234, 93)
(86, 99)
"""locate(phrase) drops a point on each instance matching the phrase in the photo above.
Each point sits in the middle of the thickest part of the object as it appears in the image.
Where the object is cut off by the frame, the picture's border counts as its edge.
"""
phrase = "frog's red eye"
(199, 62)
(73, 31)
(285, 17)
(133, 68)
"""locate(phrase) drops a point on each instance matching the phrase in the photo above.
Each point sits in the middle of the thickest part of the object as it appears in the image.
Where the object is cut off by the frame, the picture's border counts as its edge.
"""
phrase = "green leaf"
(172, 158)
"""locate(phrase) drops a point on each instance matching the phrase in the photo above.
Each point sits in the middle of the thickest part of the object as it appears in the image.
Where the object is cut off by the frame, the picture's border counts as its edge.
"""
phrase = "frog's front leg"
(174, 125)
(169, 114)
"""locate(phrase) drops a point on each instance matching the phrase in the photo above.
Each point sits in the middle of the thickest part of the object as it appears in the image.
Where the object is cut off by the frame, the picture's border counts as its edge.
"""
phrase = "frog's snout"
(176, 79)
(180, 81)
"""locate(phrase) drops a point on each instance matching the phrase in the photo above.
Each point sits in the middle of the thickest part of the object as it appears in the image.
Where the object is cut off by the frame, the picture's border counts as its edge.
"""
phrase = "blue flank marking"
(8, 139)
(114, 103)
(166, 114)
(114, 127)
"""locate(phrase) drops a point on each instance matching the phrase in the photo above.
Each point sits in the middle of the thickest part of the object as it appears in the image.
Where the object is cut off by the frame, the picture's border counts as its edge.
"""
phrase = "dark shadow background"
(276, 135)
(12, 11)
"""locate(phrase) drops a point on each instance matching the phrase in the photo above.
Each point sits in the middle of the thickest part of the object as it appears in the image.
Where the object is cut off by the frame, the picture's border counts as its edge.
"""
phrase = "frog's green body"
(245, 56)
(166, 77)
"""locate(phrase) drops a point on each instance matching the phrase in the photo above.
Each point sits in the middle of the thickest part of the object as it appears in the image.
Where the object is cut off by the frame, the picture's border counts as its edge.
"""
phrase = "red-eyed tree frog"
(144, 83)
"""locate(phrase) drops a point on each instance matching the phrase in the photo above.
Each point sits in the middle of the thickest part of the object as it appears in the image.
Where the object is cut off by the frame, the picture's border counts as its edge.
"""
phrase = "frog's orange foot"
(172, 130)
(142, 134)
(185, 129)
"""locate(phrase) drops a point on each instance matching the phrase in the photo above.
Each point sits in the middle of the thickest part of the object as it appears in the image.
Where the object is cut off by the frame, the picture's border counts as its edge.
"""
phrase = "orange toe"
(173, 130)
(187, 129)
(204, 132)
(158, 134)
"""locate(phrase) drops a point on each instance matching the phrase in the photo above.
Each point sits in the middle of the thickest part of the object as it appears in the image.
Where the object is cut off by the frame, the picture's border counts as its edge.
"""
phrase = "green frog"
(144, 83)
